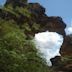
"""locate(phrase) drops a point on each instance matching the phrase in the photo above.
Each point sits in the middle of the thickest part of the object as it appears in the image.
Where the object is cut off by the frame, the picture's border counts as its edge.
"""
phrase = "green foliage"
(17, 10)
(10, 9)
(16, 53)
(36, 26)
(26, 27)
(11, 47)
(23, 11)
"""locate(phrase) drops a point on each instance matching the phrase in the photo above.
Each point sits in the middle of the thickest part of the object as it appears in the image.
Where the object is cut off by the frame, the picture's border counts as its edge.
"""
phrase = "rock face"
(16, 2)
(67, 46)
(31, 19)
(54, 24)
(38, 16)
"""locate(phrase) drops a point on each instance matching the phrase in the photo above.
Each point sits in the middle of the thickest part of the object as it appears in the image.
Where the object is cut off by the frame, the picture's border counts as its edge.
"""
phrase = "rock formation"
(54, 24)
(67, 46)
(31, 19)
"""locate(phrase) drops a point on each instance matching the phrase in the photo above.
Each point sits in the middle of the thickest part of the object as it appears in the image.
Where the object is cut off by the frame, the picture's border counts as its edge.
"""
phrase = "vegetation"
(17, 53)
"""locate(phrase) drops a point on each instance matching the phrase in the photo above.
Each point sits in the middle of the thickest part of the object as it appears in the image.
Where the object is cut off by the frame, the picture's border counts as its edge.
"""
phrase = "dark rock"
(10, 16)
(66, 48)
(36, 9)
(56, 61)
(54, 24)
(7, 15)
(14, 3)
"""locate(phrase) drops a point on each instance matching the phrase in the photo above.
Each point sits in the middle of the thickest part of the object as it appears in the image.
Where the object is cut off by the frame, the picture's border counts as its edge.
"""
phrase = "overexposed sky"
(48, 45)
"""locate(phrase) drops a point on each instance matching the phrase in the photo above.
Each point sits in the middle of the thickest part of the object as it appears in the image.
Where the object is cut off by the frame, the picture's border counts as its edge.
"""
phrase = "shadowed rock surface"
(54, 24)
(67, 46)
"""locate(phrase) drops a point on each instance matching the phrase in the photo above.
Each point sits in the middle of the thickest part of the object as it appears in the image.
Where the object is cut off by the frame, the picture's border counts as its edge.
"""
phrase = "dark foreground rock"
(67, 46)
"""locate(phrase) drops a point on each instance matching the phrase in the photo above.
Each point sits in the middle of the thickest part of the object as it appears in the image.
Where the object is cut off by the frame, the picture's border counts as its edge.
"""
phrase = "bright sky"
(2, 2)
(48, 45)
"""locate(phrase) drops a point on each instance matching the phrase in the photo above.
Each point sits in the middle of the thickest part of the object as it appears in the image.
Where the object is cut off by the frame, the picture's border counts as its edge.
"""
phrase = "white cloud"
(48, 45)
(68, 30)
